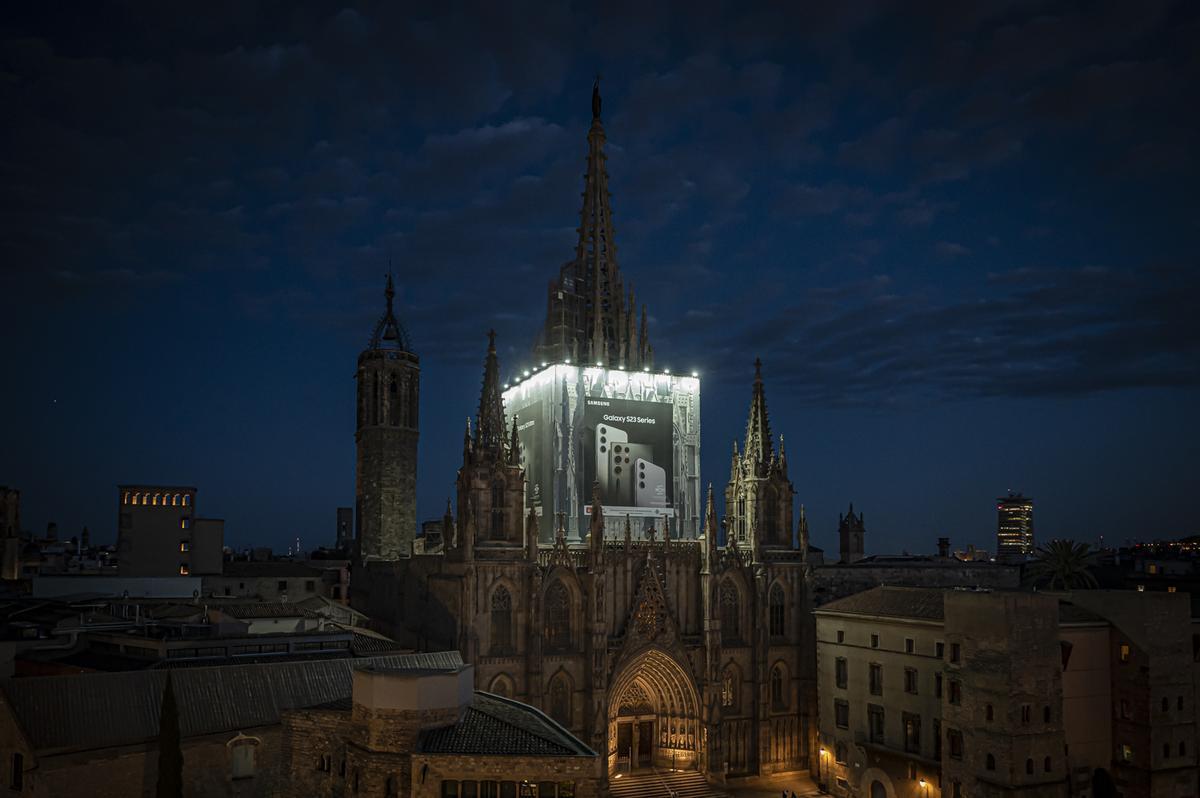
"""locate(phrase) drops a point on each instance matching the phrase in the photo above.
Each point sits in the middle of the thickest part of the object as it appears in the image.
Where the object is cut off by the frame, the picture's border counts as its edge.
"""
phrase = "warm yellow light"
(922, 783)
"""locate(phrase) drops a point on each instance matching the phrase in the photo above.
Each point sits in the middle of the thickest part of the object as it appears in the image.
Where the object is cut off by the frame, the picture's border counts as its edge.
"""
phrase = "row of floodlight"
(599, 364)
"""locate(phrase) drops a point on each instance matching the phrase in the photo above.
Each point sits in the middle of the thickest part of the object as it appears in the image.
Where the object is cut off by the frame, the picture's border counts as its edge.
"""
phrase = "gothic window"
(558, 617)
(501, 685)
(729, 689)
(502, 632)
(393, 402)
(776, 610)
(741, 519)
(778, 689)
(187, 500)
(498, 510)
(560, 700)
(412, 403)
(731, 612)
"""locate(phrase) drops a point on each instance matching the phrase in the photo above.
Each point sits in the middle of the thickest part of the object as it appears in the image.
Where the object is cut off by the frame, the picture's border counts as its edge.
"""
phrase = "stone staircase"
(664, 784)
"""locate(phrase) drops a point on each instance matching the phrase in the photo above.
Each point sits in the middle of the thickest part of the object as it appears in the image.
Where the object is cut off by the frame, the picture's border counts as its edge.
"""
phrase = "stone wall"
(133, 770)
(429, 771)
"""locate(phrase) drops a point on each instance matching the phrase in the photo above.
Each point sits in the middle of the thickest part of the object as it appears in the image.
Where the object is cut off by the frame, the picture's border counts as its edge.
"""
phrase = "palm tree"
(1063, 565)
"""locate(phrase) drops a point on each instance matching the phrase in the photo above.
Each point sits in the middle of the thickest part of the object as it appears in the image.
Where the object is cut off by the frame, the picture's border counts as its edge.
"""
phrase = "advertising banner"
(628, 452)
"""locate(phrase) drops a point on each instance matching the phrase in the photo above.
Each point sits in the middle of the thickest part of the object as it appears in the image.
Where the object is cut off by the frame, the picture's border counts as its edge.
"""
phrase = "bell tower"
(389, 376)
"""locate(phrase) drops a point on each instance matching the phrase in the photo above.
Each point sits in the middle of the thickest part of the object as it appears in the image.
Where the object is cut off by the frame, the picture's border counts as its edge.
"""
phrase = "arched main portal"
(654, 716)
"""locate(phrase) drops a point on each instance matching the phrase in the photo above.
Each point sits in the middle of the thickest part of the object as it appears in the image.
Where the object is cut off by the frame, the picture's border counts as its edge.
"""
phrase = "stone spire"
(758, 449)
(514, 445)
(489, 434)
(589, 316)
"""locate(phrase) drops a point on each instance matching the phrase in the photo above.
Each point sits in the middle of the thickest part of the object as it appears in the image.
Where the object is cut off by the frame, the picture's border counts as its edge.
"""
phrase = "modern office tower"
(1014, 527)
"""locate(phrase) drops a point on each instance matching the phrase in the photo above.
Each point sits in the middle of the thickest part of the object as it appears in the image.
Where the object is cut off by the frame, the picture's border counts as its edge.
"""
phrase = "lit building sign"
(634, 435)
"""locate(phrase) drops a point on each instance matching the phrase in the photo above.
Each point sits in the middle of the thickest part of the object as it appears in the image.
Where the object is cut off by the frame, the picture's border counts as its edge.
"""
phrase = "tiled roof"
(102, 710)
(920, 603)
(366, 643)
(927, 604)
(276, 609)
(274, 569)
(499, 726)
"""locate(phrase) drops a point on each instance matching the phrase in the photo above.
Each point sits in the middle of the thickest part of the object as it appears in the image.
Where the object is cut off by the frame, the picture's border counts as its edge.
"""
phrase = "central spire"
(589, 317)
(489, 434)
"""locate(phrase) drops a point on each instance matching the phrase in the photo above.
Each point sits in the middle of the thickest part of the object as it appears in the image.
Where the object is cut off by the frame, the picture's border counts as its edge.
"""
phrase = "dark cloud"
(1027, 333)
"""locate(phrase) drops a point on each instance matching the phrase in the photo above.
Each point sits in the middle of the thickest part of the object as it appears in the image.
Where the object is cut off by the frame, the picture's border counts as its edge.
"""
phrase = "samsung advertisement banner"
(630, 443)
(635, 435)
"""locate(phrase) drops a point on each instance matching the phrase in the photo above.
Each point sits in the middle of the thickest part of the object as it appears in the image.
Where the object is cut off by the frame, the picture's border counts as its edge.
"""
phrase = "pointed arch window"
(560, 700)
(502, 685)
(730, 683)
(776, 610)
(778, 689)
(741, 527)
(498, 510)
(393, 402)
(502, 632)
(558, 617)
(413, 406)
(731, 613)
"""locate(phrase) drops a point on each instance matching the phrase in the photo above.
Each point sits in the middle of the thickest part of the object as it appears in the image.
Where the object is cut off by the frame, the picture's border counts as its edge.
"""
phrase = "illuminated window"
(136, 498)
(1171, 589)
(187, 500)
(183, 569)
(175, 500)
(1127, 753)
(185, 546)
(126, 499)
(185, 523)
(1124, 652)
(157, 496)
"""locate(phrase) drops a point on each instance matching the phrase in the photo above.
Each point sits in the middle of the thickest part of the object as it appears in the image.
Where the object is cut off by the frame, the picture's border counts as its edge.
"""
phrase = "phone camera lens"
(616, 469)
(642, 485)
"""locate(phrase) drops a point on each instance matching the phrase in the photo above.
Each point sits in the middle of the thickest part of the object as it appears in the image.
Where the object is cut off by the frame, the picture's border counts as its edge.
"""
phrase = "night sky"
(961, 236)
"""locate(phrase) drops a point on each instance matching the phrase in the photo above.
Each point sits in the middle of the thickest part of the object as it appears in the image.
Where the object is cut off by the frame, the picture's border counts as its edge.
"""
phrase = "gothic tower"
(851, 532)
(758, 498)
(589, 316)
(491, 482)
(389, 376)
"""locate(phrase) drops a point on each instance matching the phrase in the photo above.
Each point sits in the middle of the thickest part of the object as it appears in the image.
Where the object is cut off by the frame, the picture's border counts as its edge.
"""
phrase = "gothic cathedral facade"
(692, 652)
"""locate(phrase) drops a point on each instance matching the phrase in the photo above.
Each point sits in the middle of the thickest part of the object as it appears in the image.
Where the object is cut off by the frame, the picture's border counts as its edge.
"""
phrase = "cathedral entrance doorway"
(654, 717)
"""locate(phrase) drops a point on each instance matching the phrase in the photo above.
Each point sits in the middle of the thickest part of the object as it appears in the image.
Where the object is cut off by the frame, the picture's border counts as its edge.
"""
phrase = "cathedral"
(662, 635)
